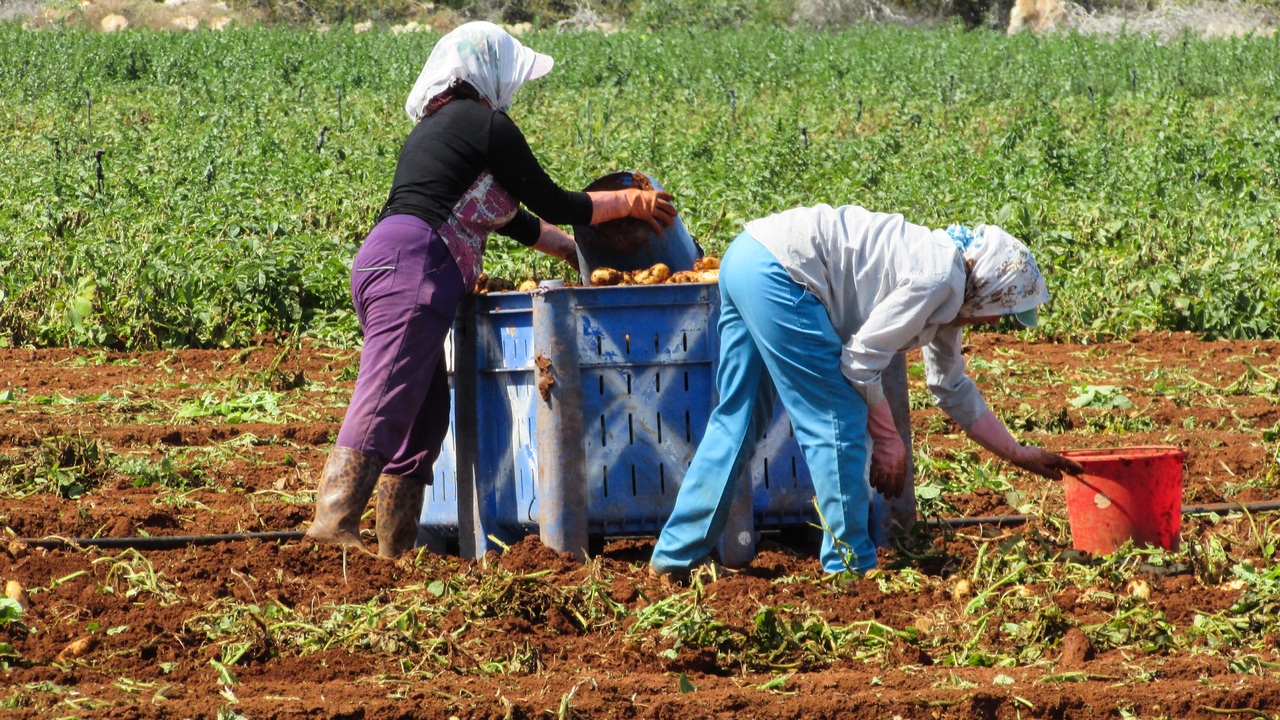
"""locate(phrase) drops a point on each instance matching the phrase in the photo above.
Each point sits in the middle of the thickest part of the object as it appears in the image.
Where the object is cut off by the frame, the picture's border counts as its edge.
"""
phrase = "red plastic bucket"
(1132, 493)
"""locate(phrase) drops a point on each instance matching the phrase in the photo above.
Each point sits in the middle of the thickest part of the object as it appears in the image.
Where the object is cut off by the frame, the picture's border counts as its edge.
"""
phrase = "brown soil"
(148, 634)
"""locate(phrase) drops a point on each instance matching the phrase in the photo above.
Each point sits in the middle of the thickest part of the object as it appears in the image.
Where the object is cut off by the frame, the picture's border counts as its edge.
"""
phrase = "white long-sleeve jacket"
(888, 286)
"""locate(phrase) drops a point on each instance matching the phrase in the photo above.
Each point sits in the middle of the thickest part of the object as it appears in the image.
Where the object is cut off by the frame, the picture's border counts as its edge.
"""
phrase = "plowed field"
(963, 623)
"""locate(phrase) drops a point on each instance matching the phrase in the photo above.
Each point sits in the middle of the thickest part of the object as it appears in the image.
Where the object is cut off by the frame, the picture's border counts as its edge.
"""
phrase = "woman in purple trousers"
(464, 172)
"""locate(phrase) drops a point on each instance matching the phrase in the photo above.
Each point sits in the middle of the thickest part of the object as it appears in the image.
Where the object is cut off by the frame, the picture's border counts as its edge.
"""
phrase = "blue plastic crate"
(439, 517)
(641, 364)
(495, 335)
(646, 358)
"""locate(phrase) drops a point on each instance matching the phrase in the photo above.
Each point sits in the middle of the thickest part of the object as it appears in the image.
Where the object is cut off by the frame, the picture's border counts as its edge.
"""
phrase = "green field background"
(1143, 175)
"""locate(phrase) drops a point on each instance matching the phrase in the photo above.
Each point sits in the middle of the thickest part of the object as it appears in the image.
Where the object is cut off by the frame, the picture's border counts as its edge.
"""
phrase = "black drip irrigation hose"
(174, 542)
(161, 542)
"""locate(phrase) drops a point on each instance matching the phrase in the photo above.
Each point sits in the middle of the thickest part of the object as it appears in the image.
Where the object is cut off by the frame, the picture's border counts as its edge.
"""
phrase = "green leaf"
(777, 683)
(10, 610)
(233, 653)
(928, 492)
(1103, 397)
(685, 685)
(224, 675)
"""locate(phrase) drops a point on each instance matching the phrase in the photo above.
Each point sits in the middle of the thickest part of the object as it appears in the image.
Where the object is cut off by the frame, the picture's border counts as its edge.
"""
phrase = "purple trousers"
(406, 288)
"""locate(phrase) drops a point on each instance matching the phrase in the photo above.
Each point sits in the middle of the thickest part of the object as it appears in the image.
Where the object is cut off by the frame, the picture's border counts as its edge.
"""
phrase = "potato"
(486, 284)
(709, 276)
(606, 276)
(1139, 588)
(15, 592)
(501, 285)
(527, 285)
(655, 275)
(78, 647)
(709, 262)
(961, 590)
(684, 276)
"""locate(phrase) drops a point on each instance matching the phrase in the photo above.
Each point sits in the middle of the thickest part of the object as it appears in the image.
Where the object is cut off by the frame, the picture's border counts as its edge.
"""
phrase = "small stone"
(18, 549)
(114, 23)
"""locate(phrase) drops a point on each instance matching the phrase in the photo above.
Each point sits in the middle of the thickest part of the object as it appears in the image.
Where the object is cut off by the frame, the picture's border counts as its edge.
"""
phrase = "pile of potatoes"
(705, 270)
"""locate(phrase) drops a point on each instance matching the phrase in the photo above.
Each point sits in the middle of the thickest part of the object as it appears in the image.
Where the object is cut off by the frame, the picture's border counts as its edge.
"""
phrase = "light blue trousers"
(772, 329)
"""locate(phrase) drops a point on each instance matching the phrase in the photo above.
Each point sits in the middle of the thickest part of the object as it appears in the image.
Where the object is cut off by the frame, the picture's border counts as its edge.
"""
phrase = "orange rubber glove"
(652, 206)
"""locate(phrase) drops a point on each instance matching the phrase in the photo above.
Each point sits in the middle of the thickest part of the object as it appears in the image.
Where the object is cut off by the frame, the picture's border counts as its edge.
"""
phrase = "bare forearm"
(557, 243)
(992, 434)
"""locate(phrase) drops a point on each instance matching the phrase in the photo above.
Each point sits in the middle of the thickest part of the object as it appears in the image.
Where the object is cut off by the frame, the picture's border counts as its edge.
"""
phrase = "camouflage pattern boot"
(399, 508)
(345, 486)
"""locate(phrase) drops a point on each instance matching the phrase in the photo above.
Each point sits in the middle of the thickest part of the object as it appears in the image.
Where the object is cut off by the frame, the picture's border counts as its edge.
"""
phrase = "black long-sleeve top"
(448, 152)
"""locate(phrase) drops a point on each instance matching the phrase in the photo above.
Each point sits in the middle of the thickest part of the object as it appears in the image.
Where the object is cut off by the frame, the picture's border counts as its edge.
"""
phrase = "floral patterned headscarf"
(1003, 276)
(484, 55)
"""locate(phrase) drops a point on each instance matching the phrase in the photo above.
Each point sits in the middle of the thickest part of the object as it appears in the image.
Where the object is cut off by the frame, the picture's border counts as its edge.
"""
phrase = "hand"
(888, 453)
(888, 466)
(1046, 464)
(652, 206)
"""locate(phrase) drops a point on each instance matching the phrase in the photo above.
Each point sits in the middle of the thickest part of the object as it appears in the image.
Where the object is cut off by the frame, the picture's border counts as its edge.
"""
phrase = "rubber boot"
(345, 487)
(399, 509)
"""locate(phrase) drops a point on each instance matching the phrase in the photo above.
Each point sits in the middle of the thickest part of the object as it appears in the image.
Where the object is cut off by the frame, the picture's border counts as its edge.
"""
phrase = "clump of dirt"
(1076, 650)
(530, 555)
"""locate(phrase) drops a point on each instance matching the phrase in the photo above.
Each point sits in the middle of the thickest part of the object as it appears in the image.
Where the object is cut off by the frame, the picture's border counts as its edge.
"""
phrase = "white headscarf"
(1003, 276)
(484, 55)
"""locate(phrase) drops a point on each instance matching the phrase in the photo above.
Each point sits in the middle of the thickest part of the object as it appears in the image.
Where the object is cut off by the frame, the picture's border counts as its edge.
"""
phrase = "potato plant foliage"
(170, 190)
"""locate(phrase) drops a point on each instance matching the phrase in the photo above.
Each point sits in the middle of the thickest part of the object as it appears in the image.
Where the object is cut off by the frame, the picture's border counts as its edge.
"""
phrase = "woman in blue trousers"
(819, 301)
